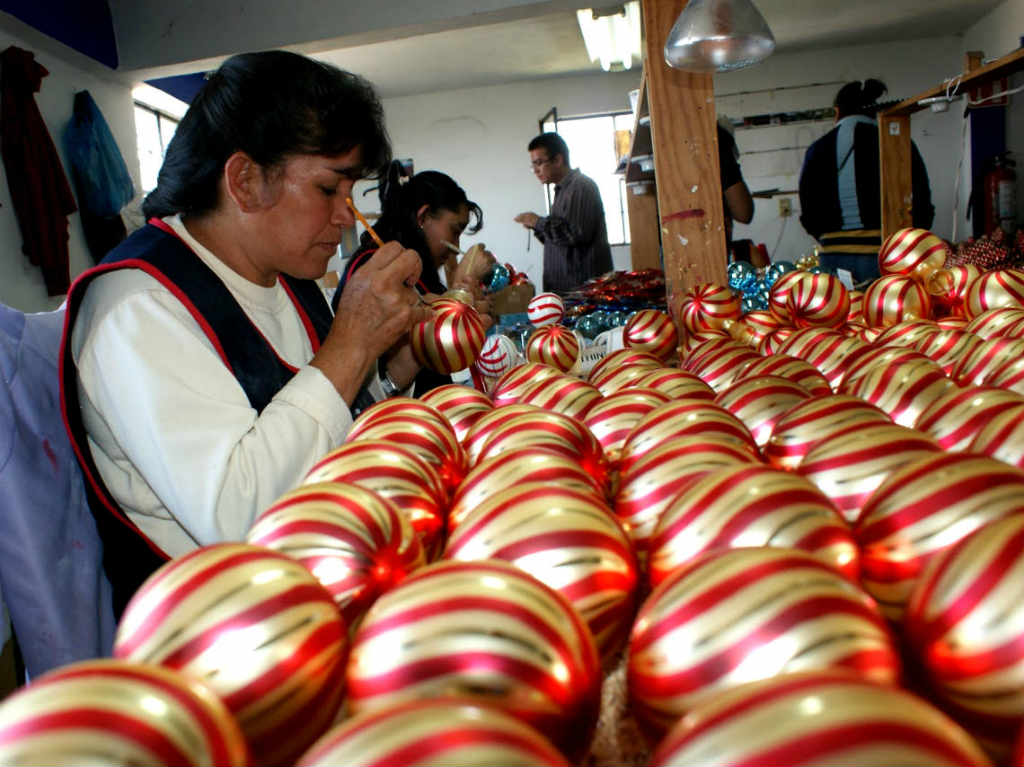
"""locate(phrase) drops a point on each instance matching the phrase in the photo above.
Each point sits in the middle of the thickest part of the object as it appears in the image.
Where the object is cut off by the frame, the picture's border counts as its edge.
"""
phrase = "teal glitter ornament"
(589, 326)
(741, 276)
(776, 270)
(497, 279)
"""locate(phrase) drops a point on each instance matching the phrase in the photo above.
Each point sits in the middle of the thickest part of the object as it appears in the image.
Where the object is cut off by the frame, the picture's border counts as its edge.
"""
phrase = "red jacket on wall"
(39, 189)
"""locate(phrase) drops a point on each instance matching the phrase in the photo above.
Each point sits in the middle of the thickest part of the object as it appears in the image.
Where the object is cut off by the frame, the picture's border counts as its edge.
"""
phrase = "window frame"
(161, 116)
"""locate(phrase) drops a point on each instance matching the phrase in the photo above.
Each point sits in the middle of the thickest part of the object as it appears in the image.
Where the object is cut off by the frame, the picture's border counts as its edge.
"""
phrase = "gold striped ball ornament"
(556, 346)
(709, 345)
(257, 628)
(849, 465)
(993, 323)
(451, 339)
(770, 343)
(750, 505)
(621, 358)
(948, 289)
(902, 390)
(460, 405)
(792, 369)
(353, 540)
(1009, 375)
(742, 615)
(674, 383)
(690, 342)
(497, 356)
(1000, 288)
(613, 418)
(815, 718)
(830, 356)
(802, 340)
(486, 631)
(1002, 437)
(722, 367)
(818, 300)
(913, 253)
(760, 402)
(707, 307)
(946, 348)
(614, 380)
(778, 296)
(480, 431)
(510, 387)
(651, 331)
(907, 333)
(864, 358)
(895, 298)
(563, 394)
(965, 624)
(955, 419)
(752, 327)
(923, 509)
(435, 732)
(394, 473)
(856, 313)
(983, 360)
(118, 712)
(566, 538)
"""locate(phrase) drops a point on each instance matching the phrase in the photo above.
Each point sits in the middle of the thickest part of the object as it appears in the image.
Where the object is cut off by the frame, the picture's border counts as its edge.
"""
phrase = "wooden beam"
(645, 244)
(685, 141)
(895, 172)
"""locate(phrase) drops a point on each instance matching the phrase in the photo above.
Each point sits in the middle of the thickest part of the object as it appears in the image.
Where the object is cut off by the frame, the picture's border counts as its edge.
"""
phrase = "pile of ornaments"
(607, 302)
(711, 548)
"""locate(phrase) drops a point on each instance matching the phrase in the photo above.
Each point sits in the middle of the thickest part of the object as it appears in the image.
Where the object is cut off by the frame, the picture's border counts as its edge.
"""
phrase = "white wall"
(769, 159)
(21, 284)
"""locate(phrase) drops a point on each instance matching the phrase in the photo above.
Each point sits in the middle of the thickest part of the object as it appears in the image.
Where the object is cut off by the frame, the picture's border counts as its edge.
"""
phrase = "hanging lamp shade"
(718, 36)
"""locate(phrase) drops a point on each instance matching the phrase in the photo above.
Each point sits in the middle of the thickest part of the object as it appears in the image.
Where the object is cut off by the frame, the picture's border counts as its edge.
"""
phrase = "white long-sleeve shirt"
(171, 430)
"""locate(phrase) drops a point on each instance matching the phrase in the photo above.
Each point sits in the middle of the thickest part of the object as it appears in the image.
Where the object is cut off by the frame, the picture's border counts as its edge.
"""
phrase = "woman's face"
(300, 224)
(444, 225)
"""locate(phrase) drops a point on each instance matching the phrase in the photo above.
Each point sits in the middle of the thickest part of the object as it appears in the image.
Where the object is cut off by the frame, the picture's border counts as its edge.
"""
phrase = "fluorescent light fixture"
(718, 36)
(612, 35)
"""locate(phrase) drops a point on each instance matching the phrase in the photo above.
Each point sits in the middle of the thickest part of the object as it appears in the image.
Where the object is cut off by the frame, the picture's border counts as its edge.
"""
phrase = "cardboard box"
(512, 300)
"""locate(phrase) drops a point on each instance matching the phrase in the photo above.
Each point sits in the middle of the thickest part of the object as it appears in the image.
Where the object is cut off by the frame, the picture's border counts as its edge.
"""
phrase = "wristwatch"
(390, 387)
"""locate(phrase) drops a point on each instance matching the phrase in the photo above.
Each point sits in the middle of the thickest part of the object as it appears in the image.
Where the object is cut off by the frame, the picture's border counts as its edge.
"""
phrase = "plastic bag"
(100, 175)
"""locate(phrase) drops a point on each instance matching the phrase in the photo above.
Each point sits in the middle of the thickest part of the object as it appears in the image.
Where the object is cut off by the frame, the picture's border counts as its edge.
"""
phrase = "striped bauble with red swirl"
(965, 623)
(772, 342)
(1009, 375)
(801, 340)
(395, 473)
(994, 323)
(566, 538)
(810, 718)
(674, 383)
(651, 331)
(720, 367)
(484, 630)
(894, 298)
(903, 390)
(443, 731)
(451, 339)
(613, 418)
(912, 252)
(778, 295)
(563, 394)
(948, 288)
(760, 402)
(510, 387)
(481, 431)
(864, 358)
(118, 712)
(699, 351)
(947, 347)
(356, 542)
(955, 419)
(498, 356)
(1002, 437)
(460, 405)
(907, 333)
(555, 346)
(707, 307)
(743, 615)
(818, 300)
(545, 309)
(258, 628)
(805, 375)
(617, 379)
(622, 358)
(982, 360)
(998, 289)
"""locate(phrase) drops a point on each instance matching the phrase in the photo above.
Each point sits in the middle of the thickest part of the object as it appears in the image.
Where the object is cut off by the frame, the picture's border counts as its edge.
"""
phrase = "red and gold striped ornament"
(743, 615)
(955, 419)
(863, 359)
(792, 369)
(353, 540)
(1002, 437)
(923, 509)
(614, 380)
(815, 718)
(1009, 375)
(451, 339)
(673, 383)
(760, 402)
(497, 356)
(442, 731)
(994, 323)
(895, 298)
(545, 309)
(965, 623)
(831, 355)
(516, 467)
(707, 307)
(621, 358)
(750, 505)
(981, 361)
(952, 323)
(902, 390)
(712, 345)
(818, 300)
(720, 368)
(913, 253)
(753, 326)
(1000, 288)
(257, 628)
(118, 712)
(802, 340)
(651, 331)
(510, 387)
(563, 394)
(856, 313)
(486, 631)
(690, 342)
(948, 288)
(770, 343)
(556, 346)
(907, 333)
(481, 431)
(778, 296)
(460, 405)
(394, 473)
(947, 347)
(613, 418)
(654, 479)
(566, 538)
(851, 464)
(430, 437)
(683, 418)
(809, 422)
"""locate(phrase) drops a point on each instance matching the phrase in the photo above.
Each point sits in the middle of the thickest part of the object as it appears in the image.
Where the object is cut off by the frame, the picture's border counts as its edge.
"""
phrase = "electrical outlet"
(785, 206)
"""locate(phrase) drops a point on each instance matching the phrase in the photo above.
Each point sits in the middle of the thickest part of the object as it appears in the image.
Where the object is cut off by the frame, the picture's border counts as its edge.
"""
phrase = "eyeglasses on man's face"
(539, 163)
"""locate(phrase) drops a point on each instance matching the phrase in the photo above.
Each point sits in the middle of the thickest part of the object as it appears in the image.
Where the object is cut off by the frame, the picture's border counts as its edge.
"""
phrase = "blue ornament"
(497, 279)
(589, 325)
(602, 319)
(776, 270)
(748, 304)
(741, 274)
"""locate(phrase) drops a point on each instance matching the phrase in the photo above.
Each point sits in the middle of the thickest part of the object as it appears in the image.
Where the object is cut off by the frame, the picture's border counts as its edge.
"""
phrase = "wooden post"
(895, 173)
(682, 109)
(644, 247)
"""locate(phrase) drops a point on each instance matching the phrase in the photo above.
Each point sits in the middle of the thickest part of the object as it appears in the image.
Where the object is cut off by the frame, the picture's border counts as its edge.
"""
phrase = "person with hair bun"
(423, 212)
(840, 196)
(202, 370)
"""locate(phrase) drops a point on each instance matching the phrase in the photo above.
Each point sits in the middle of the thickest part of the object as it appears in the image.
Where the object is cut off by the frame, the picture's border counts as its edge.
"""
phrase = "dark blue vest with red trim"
(129, 557)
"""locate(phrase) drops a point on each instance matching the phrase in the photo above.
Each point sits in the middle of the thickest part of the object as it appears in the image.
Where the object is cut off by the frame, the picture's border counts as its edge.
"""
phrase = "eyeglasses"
(539, 163)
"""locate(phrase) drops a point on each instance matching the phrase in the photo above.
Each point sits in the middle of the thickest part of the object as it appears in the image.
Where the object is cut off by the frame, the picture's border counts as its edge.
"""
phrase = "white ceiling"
(551, 45)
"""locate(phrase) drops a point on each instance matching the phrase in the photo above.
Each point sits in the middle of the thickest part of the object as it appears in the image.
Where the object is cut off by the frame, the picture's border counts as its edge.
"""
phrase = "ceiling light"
(718, 36)
(612, 35)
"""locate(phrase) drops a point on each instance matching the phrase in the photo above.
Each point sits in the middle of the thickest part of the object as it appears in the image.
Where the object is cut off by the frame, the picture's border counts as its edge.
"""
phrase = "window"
(591, 143)
(153, 132)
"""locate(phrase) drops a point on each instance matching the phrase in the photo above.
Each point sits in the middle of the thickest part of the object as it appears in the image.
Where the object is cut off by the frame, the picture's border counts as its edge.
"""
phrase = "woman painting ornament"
(203, 372)
(428, 213)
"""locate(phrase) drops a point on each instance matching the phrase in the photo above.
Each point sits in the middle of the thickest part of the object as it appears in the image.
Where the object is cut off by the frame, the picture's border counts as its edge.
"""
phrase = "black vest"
(129, 557)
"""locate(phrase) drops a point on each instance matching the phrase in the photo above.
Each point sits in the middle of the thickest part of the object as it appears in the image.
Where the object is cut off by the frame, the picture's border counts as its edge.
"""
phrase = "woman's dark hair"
(858, 98)
(270, 105)
(399, 203)
(553, 144)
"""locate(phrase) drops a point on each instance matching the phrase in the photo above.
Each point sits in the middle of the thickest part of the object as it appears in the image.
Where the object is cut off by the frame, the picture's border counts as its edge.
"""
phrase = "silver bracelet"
(390, 387)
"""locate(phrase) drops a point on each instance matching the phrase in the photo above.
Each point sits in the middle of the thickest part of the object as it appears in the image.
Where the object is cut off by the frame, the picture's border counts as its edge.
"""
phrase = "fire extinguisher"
(1001, 196)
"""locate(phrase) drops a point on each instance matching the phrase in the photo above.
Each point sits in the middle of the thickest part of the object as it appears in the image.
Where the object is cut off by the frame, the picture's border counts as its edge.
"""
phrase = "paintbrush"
(376, 239)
